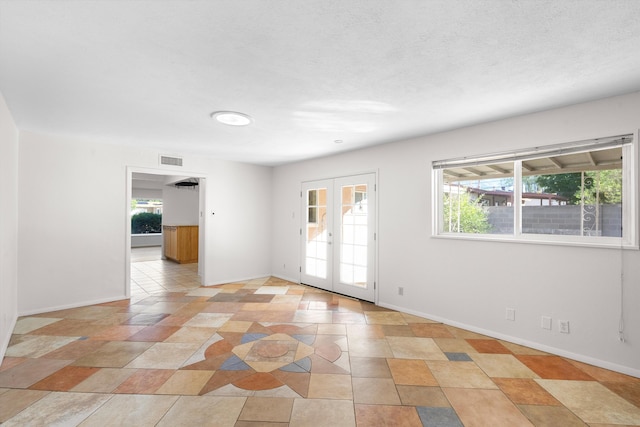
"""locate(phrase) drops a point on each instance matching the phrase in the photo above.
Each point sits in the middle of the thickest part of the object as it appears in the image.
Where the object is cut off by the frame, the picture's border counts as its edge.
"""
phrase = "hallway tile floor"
(150, 273)
(267, 352)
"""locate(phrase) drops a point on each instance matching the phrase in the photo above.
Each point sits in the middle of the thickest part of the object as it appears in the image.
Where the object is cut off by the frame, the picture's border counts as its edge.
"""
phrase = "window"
(581, 192)
(470, 192)
(146, 206)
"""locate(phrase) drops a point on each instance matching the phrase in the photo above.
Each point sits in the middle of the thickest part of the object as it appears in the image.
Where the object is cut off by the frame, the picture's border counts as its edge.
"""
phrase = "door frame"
(375, 224)
(201, 218)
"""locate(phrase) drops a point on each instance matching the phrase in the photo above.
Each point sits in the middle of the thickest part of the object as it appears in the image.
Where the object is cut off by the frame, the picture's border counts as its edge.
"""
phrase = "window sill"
(597, 242)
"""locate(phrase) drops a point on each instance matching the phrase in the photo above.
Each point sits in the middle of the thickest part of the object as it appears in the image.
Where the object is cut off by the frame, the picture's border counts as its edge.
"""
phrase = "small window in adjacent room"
(582, 192)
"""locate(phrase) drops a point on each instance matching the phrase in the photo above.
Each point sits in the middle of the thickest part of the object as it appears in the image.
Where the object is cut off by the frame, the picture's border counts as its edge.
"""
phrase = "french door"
(338, 235)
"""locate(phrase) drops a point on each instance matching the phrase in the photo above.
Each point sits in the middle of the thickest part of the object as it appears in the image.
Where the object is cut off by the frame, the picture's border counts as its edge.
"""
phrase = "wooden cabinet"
(181, 243)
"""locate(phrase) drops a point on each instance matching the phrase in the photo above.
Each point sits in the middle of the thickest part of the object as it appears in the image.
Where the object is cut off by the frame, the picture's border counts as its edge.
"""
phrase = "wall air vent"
(171, 161)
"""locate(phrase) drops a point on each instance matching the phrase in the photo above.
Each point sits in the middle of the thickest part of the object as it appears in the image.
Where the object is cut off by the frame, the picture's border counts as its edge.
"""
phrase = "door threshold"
(337, 293)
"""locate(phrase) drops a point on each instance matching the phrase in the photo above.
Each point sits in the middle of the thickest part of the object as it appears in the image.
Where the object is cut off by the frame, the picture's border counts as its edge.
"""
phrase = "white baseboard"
(121, 297)
(4, 344)
(236, 280)
(288, 279)
(73, 305)
(542, 347)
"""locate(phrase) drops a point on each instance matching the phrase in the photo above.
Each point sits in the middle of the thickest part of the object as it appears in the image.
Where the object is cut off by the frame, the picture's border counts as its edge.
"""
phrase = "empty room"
(320, 213)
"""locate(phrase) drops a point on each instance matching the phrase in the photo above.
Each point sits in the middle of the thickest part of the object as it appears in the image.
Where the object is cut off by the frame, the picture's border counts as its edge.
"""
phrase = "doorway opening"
(157, 260)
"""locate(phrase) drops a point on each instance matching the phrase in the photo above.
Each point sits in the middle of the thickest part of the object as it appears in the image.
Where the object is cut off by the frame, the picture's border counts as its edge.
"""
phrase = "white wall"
(146, 193)
(8, 225)
(180, 206)
(73, 215)
(471, 283)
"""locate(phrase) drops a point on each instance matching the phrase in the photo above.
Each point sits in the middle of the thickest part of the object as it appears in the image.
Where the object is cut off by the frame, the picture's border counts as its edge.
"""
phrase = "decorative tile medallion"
(265, 352)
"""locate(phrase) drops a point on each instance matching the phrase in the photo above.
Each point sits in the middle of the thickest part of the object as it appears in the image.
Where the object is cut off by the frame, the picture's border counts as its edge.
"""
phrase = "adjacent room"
(340, 213)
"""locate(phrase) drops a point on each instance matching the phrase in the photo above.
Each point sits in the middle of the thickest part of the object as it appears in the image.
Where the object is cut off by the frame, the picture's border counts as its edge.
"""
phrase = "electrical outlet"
(511, 314)
(400, 290)
(546, 322)
(563, 326)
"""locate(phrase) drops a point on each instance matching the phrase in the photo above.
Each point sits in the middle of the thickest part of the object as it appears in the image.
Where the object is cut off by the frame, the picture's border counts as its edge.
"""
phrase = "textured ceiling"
(149, 73)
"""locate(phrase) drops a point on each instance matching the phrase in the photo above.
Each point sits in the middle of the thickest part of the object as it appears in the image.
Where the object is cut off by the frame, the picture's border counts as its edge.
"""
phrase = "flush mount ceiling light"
(232, 118)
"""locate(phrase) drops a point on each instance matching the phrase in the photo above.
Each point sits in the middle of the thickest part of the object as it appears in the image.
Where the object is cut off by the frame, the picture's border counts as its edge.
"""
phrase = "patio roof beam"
(498, 169)
(556, 162)
(453, 174)
(475, 171)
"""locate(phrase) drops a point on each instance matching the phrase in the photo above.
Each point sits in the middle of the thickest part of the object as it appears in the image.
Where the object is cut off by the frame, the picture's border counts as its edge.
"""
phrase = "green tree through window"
(603, 186)
(563, 184)
(464, 215)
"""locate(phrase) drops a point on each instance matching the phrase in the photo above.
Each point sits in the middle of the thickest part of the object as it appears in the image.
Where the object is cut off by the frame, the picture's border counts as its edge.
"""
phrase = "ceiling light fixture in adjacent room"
(232, 118)
(188, 183)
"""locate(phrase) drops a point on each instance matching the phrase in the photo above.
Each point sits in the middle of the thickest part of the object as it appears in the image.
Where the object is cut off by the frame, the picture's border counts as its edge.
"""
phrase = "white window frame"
(630, 188)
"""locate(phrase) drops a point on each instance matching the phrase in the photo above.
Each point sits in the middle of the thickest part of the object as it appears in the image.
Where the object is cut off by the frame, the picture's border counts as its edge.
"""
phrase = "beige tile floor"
(267, 352)
(151, 274)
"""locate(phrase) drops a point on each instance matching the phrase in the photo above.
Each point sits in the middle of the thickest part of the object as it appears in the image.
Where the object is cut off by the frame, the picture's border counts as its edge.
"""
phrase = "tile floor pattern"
(268, 352)
(151, 274)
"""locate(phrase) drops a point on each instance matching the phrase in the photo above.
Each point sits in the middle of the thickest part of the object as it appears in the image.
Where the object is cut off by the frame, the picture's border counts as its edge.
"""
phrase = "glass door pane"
(316, 234)
(353, 232)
